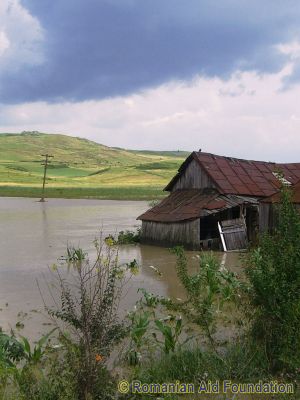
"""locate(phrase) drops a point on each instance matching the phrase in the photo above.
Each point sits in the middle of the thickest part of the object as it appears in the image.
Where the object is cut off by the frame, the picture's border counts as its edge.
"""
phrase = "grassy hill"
(81, 168)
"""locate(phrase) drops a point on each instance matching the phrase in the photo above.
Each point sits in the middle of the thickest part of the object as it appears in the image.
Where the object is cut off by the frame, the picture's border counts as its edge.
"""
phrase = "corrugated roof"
(243, 177)
(275, 198)
(231, 201)
(189, 204)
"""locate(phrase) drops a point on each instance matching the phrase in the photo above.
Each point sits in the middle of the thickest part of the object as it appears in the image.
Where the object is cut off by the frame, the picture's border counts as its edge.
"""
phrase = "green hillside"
(82, 168)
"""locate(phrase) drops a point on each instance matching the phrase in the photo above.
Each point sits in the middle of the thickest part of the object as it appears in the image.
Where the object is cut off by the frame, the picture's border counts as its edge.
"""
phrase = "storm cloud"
(94, 49)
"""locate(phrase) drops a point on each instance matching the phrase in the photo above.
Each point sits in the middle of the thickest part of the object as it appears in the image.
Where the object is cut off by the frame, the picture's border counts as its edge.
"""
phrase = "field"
(82, 169)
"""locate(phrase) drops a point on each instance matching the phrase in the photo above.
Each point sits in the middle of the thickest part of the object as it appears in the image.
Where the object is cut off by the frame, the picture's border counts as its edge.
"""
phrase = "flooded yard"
(35, 235)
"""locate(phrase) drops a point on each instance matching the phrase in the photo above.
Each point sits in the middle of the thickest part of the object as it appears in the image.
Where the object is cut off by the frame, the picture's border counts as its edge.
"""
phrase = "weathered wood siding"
(252, 222)
(193, 177)
(265, 217)
(186, 233)
(268, 217)
(235, 234)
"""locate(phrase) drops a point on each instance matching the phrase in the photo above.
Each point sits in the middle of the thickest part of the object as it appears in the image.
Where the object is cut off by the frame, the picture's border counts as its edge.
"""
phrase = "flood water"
(35, 235)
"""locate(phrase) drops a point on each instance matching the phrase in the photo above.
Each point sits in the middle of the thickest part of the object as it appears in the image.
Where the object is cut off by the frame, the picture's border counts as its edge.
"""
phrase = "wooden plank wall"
(252, 221)
(264, 217)
(268, 217)
(186, 233)
(193, 177)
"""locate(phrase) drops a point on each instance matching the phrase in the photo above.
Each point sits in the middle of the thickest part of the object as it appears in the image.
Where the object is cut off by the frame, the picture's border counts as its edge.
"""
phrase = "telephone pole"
(45, 163)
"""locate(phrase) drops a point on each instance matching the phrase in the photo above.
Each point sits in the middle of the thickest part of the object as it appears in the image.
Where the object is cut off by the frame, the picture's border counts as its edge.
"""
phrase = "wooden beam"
(222, 237)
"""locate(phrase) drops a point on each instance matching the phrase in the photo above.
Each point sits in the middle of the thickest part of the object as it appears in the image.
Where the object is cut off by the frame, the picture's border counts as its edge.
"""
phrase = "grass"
(194, 365)
(82, 168)
(239, 364)
(103, 193)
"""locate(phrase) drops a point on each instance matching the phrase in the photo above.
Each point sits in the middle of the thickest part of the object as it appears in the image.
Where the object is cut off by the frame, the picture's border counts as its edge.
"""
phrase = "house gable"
(192, 176)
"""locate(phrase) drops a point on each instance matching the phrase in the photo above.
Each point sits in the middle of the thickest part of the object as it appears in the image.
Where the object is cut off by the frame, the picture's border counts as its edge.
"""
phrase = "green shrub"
(274, 275)
(11, 350)
(208, 290)
(88, 311)
(129, 237)
(22, 369)
(125, 237)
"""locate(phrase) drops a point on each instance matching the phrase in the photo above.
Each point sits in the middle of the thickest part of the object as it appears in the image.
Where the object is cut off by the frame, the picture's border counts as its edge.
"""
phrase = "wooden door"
(233, 234)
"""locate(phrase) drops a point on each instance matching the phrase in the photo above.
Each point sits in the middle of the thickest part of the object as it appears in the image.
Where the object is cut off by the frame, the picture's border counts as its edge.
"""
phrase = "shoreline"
(136, 193)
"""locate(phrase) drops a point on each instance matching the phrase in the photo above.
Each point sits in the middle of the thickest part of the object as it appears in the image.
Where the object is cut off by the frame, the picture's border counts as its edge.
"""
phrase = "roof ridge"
(243, 159)
(236, 158)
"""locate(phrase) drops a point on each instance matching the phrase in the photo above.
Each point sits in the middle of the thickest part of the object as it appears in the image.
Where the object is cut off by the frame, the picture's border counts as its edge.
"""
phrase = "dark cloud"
(101, 48)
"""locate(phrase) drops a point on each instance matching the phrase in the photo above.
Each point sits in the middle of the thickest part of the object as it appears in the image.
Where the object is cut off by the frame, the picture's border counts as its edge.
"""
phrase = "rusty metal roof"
(190, 204)
(231, 201)
(243, 177)
(275, 198)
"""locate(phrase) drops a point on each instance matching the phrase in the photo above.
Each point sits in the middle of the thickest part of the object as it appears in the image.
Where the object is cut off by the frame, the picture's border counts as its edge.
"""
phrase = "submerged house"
(214, 202)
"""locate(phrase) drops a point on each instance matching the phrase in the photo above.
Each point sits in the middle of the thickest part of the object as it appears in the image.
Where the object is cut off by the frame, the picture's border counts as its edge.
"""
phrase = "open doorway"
(209, 230)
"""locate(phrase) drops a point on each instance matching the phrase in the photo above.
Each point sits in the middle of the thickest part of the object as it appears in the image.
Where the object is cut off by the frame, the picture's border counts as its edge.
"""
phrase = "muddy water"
(34, 235)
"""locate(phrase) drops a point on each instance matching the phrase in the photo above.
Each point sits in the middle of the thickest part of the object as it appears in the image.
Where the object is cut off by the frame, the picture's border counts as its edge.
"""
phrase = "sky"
(220, 75)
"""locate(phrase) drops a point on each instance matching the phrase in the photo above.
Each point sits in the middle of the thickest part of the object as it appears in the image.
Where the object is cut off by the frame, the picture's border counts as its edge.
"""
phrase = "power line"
(45, 163)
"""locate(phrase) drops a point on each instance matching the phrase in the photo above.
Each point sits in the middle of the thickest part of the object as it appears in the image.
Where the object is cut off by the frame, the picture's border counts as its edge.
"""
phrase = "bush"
(207, 291)
(274, 275)
(124, 237)
(22, 369)
(129, 237)
(88, 308)
(87, 317)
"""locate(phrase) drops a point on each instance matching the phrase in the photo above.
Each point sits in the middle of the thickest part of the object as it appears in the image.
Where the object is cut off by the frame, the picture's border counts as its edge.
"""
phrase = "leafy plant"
(35, 354)
(170, 335)
(207, 291)
(139, 325)
(22, 368)
(144, 325)
(149, 299)
(88, 309)
(129, 237)
(124, 237)
(274, 275)
(132, 267)
(75, 255)
(11, 350)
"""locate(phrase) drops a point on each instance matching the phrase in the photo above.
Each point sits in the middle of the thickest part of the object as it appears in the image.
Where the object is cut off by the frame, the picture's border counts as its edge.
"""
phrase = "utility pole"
(45, 163)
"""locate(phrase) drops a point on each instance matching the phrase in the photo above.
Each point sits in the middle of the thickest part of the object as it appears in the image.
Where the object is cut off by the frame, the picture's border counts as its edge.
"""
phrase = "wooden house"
(268, 209)
(214, 202)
